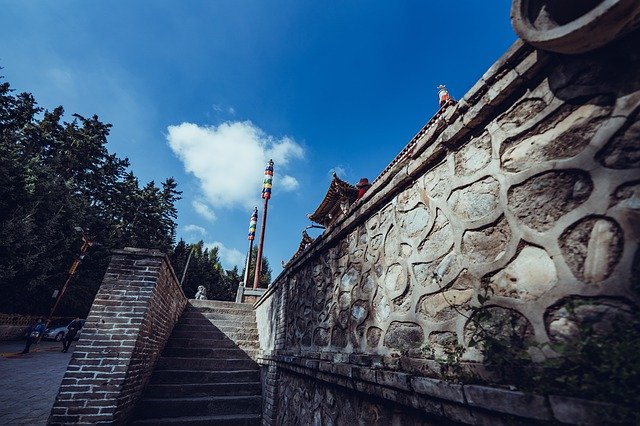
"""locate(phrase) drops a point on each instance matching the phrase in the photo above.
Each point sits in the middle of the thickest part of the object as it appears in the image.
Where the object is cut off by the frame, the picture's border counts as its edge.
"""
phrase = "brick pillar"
(138, 304)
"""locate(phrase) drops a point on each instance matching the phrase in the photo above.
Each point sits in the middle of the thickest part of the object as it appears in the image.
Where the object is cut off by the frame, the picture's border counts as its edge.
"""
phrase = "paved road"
(29, 383)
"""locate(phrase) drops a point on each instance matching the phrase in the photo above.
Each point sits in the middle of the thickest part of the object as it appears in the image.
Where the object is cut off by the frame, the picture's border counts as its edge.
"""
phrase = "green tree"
(204, 269)
(265, 270)
(56, 176)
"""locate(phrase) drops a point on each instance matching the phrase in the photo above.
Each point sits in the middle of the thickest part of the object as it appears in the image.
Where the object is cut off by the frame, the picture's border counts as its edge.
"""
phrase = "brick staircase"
(206, 374)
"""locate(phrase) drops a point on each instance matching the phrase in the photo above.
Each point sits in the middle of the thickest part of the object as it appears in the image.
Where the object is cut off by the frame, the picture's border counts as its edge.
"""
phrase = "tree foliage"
(265, 270)
(56, 176)
(204, 269)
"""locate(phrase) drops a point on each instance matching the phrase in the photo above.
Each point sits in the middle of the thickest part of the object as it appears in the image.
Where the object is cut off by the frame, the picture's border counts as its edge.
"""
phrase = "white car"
(58, 331)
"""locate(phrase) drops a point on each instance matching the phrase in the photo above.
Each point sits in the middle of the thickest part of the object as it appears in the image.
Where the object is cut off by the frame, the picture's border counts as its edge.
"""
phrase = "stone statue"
(202, 293)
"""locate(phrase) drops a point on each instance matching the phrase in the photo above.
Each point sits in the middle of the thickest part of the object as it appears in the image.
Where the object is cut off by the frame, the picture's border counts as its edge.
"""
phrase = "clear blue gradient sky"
(207, 91)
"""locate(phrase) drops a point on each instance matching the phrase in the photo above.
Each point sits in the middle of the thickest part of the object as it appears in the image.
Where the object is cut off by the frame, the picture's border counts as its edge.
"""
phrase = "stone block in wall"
(509, 402)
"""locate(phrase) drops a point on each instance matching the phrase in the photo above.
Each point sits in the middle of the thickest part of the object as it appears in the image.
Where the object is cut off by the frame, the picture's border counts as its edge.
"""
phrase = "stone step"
(222, 308)
(198, 406)
(217, 316)
(185, 376)
(212, 343)
(205, 322)
(217, 353)
(214, 335)
(218, 323)
(219, 303)
(229, 420)
(208, 327)
(203, 389)
(187, 363)
(222, 314)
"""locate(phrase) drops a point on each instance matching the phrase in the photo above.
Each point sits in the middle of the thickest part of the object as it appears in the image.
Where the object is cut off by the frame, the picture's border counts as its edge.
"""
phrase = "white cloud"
(287, 183)
(195, 229)
(62, 79)
(229, 257)
(220, 110)
(229, 160)
(203, 210)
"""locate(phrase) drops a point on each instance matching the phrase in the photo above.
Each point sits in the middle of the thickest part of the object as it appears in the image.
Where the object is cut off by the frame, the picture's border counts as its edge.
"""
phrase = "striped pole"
(253, 222)
(266, 194)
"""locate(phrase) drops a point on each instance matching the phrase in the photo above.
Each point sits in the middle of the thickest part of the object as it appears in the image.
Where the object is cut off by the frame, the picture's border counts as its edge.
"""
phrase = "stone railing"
(15, 326)
(131, 318)
(516, 217)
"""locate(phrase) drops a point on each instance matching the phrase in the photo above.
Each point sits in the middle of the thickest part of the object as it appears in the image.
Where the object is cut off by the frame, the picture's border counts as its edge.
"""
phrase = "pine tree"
(265, 270)
(57, 176)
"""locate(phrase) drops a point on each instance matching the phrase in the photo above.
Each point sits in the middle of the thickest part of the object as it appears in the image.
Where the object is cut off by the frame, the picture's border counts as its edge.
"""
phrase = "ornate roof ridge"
(338, 189)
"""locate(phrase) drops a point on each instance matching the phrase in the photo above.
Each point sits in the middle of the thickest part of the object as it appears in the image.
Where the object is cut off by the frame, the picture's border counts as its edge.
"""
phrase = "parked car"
(58, 330)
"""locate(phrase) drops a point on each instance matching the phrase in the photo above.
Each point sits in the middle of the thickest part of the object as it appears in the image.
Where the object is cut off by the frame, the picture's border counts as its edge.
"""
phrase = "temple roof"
(339, 195)
(304, 243)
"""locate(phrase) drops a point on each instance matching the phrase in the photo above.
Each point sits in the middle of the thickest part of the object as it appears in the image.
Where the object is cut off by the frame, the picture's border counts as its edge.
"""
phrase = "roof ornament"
(362, 186)
(443, 95)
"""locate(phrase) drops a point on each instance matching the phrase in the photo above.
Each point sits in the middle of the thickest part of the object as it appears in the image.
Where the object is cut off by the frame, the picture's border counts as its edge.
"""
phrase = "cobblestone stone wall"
(131, 318)
(521, 202)
(15, 326)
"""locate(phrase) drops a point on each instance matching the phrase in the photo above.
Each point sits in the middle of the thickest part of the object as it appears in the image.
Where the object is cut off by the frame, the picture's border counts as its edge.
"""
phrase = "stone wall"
(515, 217)
(131, 318)
(15, 326)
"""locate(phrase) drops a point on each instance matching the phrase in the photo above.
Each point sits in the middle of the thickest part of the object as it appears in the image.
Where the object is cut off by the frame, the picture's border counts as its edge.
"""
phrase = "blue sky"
(207, 91)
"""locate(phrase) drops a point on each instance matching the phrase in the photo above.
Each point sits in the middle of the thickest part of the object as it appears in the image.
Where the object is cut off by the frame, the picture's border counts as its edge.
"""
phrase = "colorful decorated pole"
(252, 234)
(86, 244)
(443, 95)
(266, 194)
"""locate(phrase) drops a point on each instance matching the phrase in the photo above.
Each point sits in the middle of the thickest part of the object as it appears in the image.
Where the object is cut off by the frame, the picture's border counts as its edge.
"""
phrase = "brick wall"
(131, 318)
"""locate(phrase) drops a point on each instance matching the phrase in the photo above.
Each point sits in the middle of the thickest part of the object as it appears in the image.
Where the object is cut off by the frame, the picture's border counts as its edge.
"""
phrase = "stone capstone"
(441, 307)
(474, 155)
(531, 274)
(404, 335)
(622, 150)
(476, 200)
(439, 240)
(563, 135)
(541, 200)
(591, 248)
(488, 244)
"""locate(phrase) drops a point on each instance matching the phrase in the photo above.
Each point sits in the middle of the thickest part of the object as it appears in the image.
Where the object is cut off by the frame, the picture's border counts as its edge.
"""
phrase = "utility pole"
(266, 194)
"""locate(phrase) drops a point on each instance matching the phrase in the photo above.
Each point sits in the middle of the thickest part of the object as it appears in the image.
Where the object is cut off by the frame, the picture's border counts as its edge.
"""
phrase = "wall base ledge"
(454, 401)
